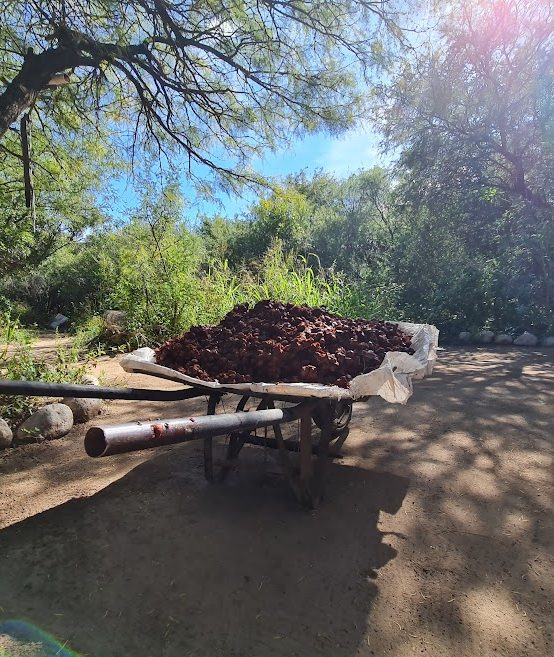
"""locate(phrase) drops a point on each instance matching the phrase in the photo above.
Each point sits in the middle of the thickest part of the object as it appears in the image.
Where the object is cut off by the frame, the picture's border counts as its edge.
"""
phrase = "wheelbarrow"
(330, 417)
(328, 408)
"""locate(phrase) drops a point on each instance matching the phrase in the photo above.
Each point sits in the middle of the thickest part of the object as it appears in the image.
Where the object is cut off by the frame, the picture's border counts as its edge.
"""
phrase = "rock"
(90, 380)
(465, 336)
(49, 422)
(526, 339)
(485, 337)
(144, 353)
(6, 435)
(115, 319)
(59, 320)
(503, 338)
(548, 341)
(83, 409)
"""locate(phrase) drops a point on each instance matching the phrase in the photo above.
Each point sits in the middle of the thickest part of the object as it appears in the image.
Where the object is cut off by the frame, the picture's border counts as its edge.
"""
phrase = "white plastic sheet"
(392, 380)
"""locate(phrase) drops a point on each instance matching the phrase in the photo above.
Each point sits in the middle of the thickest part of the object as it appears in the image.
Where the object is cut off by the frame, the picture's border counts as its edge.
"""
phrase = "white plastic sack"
(392, 380)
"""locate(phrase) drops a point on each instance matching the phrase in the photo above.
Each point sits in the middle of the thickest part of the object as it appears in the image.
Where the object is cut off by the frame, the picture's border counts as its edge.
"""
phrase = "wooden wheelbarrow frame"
(307, 482)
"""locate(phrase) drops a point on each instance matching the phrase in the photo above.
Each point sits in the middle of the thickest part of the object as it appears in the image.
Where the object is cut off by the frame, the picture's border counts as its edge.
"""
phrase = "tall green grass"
(290, 279)
(205, 297)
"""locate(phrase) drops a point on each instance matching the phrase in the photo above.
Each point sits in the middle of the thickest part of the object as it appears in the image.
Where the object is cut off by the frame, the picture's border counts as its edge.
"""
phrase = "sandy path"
(436, 537)
(45, 344)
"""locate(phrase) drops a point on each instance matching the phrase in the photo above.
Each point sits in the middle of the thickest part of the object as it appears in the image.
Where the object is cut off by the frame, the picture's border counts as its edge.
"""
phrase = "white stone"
(6, 435)
(526, 339)
(465, 336)
(83, 409)
(144, 353)
(548, 341)
(49, 422)
(90, 380)
(59, 320)
(485, 337)
(503, 338)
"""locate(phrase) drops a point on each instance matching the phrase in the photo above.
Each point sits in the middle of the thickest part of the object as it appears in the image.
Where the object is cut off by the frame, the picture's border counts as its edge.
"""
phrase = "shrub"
(19, 362)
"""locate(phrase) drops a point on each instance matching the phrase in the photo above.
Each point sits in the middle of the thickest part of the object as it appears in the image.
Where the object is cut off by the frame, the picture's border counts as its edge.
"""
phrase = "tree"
(348, 224)
(472, 114)
(70, 179)
(355, 223)
(220, 78)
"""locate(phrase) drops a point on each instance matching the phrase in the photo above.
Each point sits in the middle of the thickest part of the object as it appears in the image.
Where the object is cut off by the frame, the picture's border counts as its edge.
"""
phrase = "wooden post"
(306, 463)
(284, 457)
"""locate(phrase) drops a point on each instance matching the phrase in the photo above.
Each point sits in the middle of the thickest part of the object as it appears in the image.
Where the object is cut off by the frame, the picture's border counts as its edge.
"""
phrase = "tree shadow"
(37, 475)
(160, 563)
(476, 442)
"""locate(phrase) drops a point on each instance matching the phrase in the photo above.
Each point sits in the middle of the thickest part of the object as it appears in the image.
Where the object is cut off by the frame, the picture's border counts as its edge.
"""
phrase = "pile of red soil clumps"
(280, 342)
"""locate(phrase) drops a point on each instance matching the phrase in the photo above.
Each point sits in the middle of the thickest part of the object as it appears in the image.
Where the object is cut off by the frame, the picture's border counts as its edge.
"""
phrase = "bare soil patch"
(435, 538)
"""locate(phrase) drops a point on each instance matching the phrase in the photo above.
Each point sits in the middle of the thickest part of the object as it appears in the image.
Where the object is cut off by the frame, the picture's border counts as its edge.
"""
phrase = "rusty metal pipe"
(105, 441)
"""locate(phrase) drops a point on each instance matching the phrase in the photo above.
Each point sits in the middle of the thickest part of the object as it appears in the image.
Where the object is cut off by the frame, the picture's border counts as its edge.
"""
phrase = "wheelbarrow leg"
(306, 461)
(286, 464)
(323, 459)
(208, 446)
(237, 440)
(313, 474)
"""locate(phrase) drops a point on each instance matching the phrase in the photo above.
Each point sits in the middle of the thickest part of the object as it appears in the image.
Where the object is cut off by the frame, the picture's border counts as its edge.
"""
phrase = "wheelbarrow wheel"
(341, 414)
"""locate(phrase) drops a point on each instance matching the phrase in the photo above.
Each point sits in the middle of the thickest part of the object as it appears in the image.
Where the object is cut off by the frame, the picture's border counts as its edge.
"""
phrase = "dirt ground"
(435, 538)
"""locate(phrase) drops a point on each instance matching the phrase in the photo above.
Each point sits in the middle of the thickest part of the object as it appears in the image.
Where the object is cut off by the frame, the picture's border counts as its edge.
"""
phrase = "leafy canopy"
(219, 78)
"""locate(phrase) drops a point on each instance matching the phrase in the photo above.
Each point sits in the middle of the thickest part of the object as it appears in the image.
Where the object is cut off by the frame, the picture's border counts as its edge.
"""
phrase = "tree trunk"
(34, 76)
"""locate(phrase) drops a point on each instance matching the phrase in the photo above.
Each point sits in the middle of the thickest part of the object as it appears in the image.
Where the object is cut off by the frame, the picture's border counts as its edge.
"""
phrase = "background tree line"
(458, 232)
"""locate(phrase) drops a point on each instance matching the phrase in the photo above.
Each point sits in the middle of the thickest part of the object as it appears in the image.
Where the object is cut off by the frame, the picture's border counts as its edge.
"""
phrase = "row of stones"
(52, 420)
(526, 339)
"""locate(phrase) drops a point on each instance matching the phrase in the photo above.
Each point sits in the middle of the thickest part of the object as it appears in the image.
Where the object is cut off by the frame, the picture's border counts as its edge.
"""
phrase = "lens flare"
(19, 635)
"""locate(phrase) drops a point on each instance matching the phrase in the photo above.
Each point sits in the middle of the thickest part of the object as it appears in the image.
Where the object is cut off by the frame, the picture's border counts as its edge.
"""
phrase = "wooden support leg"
(337, 444)
(236, 440)
(313, 476)
(208, 446)
(284, 458)
(322, 463)
(306, 461)
(236, 443)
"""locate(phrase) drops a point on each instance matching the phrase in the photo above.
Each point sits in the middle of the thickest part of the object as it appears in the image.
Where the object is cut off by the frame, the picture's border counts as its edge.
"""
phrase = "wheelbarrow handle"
(117, 439)
(42, 389)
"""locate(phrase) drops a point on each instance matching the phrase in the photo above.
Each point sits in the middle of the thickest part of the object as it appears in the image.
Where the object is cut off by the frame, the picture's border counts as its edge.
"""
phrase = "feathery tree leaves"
(473, 115)
(220, 78)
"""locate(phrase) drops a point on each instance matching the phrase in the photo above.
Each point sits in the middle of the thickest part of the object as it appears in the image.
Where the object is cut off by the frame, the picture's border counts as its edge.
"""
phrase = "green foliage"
(70, 281)
(354, 223)
(288, 278)
(472, 117)
(18, 361)
(151, 265)
(220, 79)
(459, 234)
(70, 176)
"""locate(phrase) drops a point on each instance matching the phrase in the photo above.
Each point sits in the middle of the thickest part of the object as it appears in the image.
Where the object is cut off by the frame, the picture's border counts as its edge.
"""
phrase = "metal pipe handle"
(42, 389)
(117, 439)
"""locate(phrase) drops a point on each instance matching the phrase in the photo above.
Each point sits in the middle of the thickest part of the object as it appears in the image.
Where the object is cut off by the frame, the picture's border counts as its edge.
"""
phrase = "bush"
(19, 362)
(288, 278)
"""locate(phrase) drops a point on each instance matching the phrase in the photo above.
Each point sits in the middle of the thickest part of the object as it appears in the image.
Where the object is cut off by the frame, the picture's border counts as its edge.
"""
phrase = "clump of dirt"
(278, 342)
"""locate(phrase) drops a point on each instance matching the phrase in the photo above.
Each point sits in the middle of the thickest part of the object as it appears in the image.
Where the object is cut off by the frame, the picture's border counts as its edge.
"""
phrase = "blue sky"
(340, 155)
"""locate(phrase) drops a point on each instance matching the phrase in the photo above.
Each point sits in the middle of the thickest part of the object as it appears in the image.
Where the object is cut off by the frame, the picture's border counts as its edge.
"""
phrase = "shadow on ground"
(476, 442)
(160, 563)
